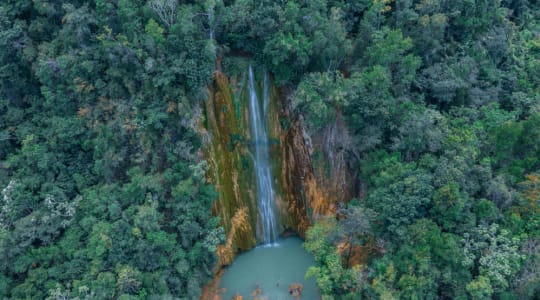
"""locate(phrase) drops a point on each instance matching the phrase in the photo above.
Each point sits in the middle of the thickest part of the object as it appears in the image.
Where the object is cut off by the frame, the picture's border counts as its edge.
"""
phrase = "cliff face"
(230, 165)
(310, 174)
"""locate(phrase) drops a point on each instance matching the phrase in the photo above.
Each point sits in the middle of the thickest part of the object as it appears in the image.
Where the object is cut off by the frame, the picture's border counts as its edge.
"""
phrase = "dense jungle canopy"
(104, 193)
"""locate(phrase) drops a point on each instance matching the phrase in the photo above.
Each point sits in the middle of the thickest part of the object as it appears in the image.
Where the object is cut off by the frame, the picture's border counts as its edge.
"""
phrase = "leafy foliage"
(442, 110)
(103, 194)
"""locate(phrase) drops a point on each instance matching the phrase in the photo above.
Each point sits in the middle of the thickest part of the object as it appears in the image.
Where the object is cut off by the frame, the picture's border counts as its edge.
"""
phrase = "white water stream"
(265, 190)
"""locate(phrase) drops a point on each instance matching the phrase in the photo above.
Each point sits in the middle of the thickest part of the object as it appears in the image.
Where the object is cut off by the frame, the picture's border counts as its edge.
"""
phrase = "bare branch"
(165, 9)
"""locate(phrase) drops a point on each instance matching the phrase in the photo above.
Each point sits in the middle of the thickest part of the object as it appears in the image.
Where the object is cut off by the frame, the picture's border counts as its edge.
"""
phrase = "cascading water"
(263, 173)
(267, 272)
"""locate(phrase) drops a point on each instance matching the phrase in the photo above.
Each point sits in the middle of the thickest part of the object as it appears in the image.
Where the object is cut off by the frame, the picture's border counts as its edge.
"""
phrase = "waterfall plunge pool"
(272, 269)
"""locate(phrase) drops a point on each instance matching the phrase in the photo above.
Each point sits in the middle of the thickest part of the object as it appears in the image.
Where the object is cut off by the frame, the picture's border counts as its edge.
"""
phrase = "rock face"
(310, 174)
(224, 135)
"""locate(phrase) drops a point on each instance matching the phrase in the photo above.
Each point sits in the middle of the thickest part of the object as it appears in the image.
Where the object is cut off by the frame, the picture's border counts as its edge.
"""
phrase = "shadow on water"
(268, 272)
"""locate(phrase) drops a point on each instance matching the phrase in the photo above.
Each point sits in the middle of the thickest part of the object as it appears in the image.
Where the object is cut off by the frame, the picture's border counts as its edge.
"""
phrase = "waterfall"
(265, 192)
(210, 14)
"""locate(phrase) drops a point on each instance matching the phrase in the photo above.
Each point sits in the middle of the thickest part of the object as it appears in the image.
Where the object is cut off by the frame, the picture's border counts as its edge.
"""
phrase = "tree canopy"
(103, 193)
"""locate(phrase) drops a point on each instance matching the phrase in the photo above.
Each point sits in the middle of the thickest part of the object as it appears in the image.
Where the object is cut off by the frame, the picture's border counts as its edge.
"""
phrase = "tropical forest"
(269, 149)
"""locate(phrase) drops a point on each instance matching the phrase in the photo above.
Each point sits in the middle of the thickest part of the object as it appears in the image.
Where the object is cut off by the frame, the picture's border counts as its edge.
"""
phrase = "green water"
(272, 269)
